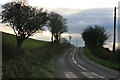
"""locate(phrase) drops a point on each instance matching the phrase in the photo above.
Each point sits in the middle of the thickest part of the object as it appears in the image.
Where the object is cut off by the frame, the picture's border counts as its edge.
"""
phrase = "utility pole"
(119, 24)
(114, 39)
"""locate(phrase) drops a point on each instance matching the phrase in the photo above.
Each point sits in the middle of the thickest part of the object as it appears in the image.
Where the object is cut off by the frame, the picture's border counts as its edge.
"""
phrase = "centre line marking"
(88, 74)
(73, 55)
(76, 62)
(97, 75)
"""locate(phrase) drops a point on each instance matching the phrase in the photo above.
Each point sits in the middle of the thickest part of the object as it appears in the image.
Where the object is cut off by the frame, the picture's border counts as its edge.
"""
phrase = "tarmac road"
(74, 64)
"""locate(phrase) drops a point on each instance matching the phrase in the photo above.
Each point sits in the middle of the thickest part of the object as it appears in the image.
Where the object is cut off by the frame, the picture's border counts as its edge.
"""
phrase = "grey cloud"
(83, 18)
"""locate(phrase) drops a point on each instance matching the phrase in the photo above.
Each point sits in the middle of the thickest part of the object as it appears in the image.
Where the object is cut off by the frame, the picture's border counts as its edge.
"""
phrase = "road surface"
(74, 64)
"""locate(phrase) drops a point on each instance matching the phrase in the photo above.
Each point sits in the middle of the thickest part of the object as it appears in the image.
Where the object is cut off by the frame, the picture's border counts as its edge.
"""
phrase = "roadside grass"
(49, 53)
(36, 59)
(106, 63)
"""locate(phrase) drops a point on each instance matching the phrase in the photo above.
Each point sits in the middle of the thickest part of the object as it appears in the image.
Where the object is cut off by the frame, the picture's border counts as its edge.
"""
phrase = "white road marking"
(97, 75)
(92, 75)
(69, 75)
(88, 74)
(71, 53)
(75, 61)
(73, 76)
(81, 67)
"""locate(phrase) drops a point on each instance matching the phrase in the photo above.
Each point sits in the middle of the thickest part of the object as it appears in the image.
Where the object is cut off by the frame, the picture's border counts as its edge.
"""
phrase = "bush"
(94, 37)
(102, 53)
(117, 56)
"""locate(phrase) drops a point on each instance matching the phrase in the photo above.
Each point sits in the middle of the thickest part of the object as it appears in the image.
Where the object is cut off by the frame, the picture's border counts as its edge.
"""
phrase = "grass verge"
(36, 59)
(106, 63)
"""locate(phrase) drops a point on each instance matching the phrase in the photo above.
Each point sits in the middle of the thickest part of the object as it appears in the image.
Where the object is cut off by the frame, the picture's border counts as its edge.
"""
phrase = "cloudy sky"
(80, 14)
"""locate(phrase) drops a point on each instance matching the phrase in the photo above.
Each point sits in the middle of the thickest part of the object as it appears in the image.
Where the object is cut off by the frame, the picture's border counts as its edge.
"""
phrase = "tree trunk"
(52, 38)
(19, 43)
(57, 38)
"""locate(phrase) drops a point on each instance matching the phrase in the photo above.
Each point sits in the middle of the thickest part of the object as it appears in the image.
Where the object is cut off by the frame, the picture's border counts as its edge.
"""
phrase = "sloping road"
(74, 64)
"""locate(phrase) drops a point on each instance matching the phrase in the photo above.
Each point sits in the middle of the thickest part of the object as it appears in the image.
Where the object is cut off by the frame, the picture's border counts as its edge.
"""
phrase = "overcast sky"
(73, 4)
(80, 14)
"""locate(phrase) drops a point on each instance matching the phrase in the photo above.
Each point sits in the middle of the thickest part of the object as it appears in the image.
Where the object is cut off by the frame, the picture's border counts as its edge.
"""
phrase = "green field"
(27, 44)
(36, 59)
(106, 63)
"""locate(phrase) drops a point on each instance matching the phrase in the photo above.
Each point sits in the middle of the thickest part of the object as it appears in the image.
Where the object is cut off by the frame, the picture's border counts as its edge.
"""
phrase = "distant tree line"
(27, 20)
